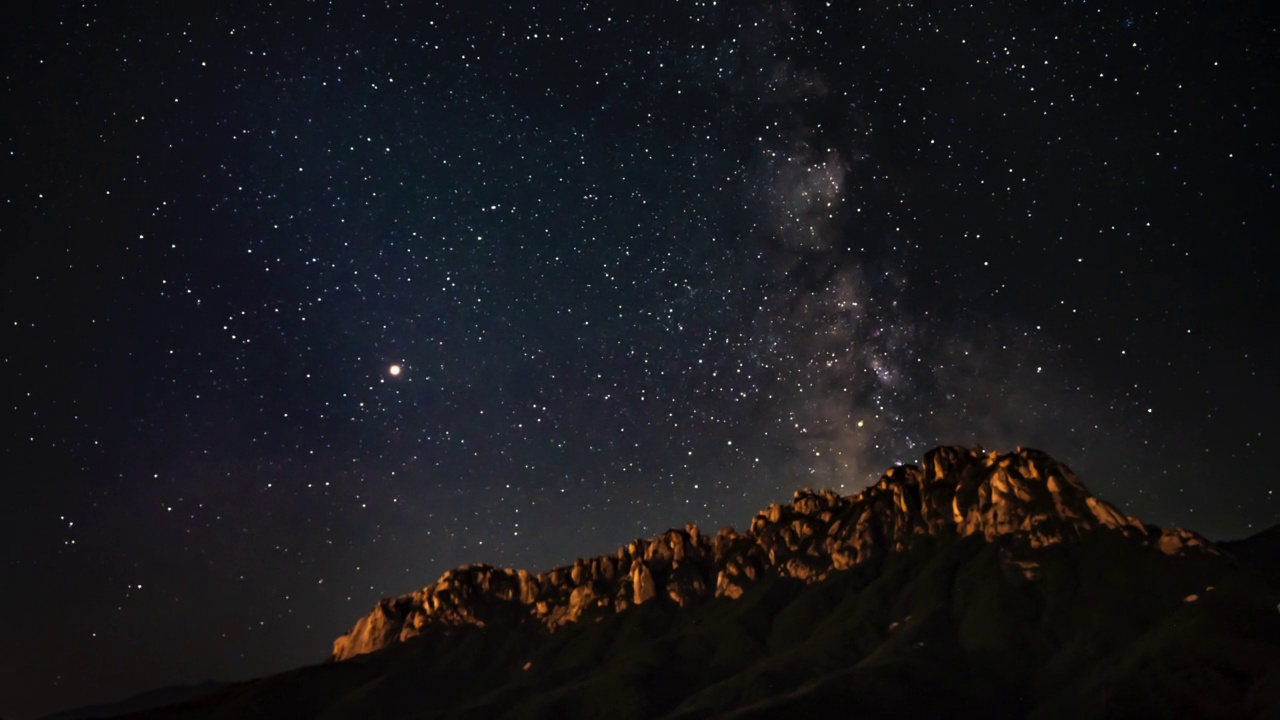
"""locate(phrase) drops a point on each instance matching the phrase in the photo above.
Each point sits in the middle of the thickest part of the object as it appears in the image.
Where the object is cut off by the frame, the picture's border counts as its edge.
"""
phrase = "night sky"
(307, 303)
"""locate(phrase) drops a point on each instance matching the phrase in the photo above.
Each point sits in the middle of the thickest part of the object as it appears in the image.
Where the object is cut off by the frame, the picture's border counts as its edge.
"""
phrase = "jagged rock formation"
(974, 585)
(1025, 498)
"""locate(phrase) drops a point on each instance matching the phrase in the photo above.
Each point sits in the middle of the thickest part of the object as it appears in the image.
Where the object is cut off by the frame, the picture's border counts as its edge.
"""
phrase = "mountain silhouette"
(976, 584)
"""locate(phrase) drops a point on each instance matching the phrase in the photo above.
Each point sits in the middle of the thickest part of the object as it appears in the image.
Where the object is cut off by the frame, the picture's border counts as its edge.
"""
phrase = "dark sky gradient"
(640, 267)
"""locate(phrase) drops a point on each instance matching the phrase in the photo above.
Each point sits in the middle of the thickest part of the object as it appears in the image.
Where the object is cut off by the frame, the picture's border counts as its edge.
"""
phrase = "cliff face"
(1025, 498)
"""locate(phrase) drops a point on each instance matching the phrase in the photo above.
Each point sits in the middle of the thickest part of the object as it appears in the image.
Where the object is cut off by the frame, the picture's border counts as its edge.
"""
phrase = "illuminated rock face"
(1023, 499)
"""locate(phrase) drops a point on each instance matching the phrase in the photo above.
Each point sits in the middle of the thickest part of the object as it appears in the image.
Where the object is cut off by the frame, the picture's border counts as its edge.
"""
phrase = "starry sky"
(637, 265)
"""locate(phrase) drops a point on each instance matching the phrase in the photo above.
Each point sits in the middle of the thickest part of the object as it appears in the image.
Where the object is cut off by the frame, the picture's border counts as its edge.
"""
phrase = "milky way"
(851, 380)
(635, 269)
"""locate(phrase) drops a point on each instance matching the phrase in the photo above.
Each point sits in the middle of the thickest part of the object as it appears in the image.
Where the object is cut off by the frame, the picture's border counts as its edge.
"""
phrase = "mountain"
(1025, 494)
(975, 584)
(1260, 551)
(160, 697)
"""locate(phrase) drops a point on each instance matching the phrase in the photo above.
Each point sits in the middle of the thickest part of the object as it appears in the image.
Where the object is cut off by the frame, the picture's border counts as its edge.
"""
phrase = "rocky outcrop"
(1024, 499)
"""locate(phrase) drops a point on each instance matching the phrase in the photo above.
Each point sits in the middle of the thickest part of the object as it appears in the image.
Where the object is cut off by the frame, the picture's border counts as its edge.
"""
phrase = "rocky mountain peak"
(1023, 499)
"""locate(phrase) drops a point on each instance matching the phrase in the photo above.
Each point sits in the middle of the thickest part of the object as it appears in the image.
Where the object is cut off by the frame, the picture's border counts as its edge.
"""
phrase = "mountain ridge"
(973, 585)
(1024, 496)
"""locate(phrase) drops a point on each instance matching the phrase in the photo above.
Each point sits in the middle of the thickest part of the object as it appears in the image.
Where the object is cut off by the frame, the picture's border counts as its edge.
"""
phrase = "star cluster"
(306, 304)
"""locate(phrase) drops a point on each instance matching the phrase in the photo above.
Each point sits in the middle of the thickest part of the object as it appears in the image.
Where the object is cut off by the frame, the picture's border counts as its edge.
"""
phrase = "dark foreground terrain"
(979, 586)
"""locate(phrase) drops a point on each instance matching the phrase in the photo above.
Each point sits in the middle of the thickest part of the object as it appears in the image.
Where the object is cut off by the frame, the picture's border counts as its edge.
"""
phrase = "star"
(643, 282)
